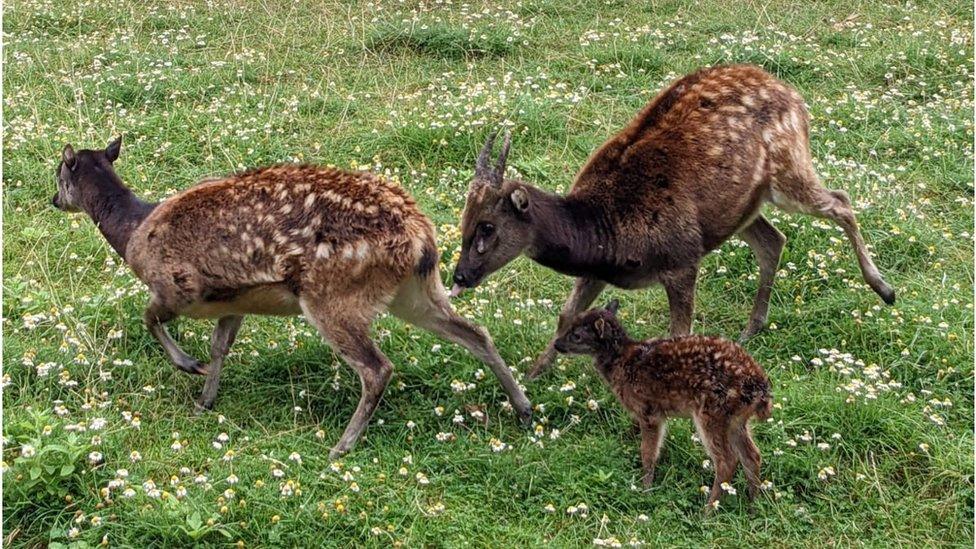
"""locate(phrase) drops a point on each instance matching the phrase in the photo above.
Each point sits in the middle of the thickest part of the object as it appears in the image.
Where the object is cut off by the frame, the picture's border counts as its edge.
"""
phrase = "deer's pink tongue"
(455, 291)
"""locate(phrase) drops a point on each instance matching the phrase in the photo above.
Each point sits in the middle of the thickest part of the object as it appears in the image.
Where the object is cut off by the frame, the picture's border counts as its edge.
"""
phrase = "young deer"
(692, 169)
(335, 246)
(712, 380)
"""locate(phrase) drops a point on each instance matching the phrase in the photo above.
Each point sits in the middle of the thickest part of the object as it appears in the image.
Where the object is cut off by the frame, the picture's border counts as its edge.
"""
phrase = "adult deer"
(337, 247)
(692, 169)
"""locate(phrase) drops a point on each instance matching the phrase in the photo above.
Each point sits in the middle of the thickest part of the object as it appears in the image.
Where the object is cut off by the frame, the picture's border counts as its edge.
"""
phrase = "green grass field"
(871, 442)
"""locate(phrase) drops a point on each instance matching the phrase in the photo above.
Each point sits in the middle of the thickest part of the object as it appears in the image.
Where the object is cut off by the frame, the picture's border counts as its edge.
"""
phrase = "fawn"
(692, 169)
(338, 247)
(712, 380)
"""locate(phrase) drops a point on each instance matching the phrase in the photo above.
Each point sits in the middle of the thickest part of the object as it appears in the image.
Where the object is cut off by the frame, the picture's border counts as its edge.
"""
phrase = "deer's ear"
(520, 199)
(114, 149)
(601, 327)
(68, 157)
(613, 306)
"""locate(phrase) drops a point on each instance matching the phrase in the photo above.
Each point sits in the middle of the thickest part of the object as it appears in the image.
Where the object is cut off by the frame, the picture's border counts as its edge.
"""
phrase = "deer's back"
(679, 375)
(268, 226)
(701, 147)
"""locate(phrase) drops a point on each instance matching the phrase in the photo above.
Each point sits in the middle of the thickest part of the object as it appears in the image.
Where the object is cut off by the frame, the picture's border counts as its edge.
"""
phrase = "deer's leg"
(220, 342)
(749, 456)
(652, 434)
(716, 437)
(156, 316)
(801, 190)
(680, 287)
(767, 245)
(344, 326)
(422, 302)
(585, 291)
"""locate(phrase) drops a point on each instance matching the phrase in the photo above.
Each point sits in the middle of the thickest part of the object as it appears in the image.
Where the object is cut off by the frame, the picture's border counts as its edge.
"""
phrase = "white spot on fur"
(323, 250)
(362, 249)
(309, 200)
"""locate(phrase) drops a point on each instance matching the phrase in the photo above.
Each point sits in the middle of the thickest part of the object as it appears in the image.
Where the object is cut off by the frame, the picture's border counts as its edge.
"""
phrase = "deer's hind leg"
(156, 316)
(715, 434)
(798, 188)
(423, 302)
(767, 245)
(341, 301)
(748, 455)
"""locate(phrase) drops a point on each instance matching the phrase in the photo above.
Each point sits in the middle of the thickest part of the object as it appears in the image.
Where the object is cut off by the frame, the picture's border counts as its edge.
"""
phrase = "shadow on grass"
(439, 41)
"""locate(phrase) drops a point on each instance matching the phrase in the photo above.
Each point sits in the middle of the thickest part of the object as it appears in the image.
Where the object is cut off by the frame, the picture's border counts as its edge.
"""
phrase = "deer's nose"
(459, 278)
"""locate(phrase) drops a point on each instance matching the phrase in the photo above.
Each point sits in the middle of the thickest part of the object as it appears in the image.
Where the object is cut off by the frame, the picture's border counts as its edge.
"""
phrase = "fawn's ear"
(114, 149)
(601, 327)
(613, 306)
(68, 157)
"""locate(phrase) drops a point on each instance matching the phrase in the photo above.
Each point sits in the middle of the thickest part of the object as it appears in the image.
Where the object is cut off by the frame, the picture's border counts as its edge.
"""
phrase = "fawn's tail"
(764, 405)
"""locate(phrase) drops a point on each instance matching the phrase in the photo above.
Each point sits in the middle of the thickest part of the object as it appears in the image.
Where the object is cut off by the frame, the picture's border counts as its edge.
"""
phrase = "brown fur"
(692, 169)
(339, 247)
(711, 380)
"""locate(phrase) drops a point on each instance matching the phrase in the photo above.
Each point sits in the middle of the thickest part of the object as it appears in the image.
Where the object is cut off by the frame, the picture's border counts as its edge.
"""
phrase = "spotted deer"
(693, 168)
(337, 247)
(713, 381)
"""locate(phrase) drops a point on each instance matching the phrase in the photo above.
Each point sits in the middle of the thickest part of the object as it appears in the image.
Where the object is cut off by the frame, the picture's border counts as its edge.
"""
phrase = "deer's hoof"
(539, 367)
(201, 406)
(751, 330)
(887, 294)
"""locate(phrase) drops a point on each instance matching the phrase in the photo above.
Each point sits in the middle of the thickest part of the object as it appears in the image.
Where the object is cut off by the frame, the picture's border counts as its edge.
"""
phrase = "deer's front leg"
(220, 343)
(156, 317)
(680, 287)
(652, 433)
(585, 291)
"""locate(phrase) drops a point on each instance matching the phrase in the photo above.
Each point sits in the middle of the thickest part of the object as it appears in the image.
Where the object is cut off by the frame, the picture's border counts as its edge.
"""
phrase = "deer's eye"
(575, 337)
(487, 229)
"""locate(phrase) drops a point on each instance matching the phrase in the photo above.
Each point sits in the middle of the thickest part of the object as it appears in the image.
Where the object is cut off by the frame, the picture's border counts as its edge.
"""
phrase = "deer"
(693, 168)
(336, 246)
(712, 380)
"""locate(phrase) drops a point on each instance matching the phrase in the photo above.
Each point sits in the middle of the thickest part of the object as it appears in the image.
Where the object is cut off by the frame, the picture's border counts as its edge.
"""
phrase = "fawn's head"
(593, 332)
(80, 174)
(495, 227)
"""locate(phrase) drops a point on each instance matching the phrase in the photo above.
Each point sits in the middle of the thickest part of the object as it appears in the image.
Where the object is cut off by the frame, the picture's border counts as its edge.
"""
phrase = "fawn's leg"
(652, 434)
(220, 343)
(749, 456)
(585, 291)
(422, 302)
(716, 437)
(156, 316)
(680, 287)
(767, 245)
(799, 188)
(346, 329)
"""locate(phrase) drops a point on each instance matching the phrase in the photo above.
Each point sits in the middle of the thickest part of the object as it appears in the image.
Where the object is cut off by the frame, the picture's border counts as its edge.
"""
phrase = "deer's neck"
(570, 236)
(116, 210)
(612, 356)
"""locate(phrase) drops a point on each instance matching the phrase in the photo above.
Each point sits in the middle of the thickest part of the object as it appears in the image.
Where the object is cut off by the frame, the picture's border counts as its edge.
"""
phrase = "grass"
(871, 441)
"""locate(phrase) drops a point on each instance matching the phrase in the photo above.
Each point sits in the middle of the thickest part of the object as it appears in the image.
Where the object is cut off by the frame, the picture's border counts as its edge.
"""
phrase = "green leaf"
(67, 469)
(35, 473)
(194, 520)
